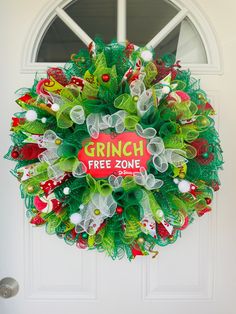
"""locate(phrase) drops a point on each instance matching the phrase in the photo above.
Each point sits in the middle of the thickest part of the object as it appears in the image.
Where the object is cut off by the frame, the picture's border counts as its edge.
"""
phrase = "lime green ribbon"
(154, 206)
(32, 185)
(131, 121)
(100, 186)
(151, 73)
(35, 127)
(126, 102)
(71, 98)
(112, 83)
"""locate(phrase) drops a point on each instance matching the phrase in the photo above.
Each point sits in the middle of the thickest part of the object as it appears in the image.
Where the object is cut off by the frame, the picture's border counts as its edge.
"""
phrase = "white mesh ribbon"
(176, 157)
(160, 162)
(79, 170)
(145, 97)
(33, 138)
(93, 214)
(115, 181)
(97, 122)
(116, 121)
(77, 114)
(50, 155)
(145, 102)
(55, 172)
(148, 223)
(156, 148)
(137, 87)
(92, 122)
(147, 180)
(56, 98)
(49, 142)
(163, 156)
(146, 133)
(103, 122)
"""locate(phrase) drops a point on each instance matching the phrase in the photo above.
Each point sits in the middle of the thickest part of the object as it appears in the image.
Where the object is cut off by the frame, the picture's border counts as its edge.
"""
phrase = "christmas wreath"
(117, 151)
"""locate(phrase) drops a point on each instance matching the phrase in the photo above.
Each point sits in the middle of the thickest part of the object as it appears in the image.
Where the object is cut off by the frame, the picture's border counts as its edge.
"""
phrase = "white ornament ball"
(81, 206)
(31, 115)
(146, 55)
(44, 120)
(159, 213)
(66, 190)
(55, 107)
(165, 89)
(184, 186)
(75, 218)
(176, 181)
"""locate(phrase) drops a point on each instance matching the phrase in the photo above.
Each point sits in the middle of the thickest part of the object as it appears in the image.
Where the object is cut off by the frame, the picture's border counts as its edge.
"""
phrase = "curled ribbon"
(147, 180)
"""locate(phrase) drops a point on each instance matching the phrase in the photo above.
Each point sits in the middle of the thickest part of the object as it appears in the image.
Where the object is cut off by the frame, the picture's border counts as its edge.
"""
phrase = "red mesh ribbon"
(17, 121)
(82, 243)
(202, 146)
(136, 251)
(28, 151)
(163, 71)
(203, 211)
(37, 220)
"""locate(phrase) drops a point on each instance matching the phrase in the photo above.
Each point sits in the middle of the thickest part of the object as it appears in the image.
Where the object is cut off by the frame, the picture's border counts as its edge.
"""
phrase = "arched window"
(167, 26)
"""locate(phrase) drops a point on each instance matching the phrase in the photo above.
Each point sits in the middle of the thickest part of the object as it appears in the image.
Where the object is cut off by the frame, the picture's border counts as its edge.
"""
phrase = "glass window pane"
(190, 47)
(58, 43)
(95, 17)
(169, 43)
(146, 18)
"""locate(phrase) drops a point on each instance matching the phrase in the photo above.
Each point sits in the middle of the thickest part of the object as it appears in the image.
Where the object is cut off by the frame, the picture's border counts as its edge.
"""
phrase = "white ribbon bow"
(162, 156)
(97, 122)
(147, 180)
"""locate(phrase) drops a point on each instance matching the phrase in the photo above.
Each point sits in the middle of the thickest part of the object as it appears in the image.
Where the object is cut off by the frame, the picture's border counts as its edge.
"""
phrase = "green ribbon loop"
(151, 72)
(130, 122)
(125, 102)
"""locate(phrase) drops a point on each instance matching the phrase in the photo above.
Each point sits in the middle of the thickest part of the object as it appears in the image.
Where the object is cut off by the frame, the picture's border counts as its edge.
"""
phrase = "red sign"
(119, 154)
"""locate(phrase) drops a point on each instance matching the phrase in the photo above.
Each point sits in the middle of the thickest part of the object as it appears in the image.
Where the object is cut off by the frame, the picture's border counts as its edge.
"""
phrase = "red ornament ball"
(119, 210)
(105, 77)
(14, 154)
(208, 200)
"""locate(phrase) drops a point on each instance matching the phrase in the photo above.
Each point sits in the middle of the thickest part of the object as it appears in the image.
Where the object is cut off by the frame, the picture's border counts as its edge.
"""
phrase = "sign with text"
(119, 154)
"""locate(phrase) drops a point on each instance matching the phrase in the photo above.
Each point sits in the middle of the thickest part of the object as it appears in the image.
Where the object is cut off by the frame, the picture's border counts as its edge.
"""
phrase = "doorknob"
(8, 287)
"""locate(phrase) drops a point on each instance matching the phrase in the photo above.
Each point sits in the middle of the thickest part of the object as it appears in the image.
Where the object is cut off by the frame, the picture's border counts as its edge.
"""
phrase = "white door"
(196, 274)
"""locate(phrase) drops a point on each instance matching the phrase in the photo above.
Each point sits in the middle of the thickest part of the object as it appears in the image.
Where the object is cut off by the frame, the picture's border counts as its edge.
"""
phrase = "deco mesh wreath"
(116, 152)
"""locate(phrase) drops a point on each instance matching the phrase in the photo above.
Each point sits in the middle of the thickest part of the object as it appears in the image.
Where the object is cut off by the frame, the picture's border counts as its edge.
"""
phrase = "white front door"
(195, 275)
